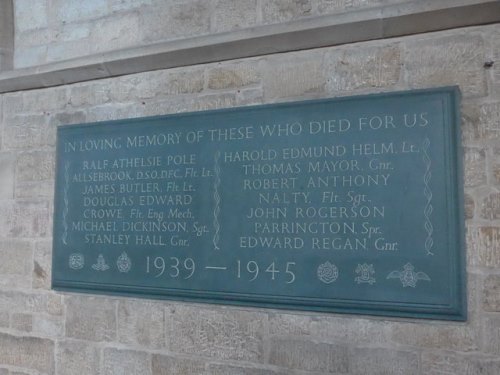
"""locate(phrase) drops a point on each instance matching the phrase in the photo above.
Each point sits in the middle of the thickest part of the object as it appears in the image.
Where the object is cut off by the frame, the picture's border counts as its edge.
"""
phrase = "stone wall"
(54, 30)
(44, 332)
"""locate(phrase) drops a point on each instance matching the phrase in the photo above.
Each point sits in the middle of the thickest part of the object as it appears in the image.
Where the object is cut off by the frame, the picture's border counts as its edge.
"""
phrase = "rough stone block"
(27, 352)
(448, 60)
(290, 324)
(78, 358)
(27, 132)
(177, 20)
(475, 167)
(337, 6)
(491, 207)
(234, 370)
(353, 331)
(20, 302)
(84, 94)
(48, 325)
(123, 362)
(446, 363)
(33, 38)
(69, 50)
(45, 101)
(124, 5)
(69, 11)
(16, 265)
(234, 14)
(491, 293)
(154, 84)
(30, 14)
(309, 355)
(470, 206)
(489, 122)
(21, 322)
(363, 68)
(457, 337)
(24, 219)
(42, 265)
(275, 11)
(108, 112)
(297, 75)
(31, 56)
(381, 361)
(234, 76)
(67, 118)
(491, 335)
(483, 246)
(112, 33)
(217, 333)
(35, 172)
(7, 170)
(141, 323)
(91, 318)
(167, 365)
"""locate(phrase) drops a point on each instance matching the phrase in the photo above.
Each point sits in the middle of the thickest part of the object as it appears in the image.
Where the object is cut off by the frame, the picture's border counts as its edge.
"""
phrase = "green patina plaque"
(341, 205)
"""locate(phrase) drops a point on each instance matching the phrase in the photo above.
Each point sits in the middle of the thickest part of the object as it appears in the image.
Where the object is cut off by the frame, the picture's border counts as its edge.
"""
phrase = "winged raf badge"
(408, 276)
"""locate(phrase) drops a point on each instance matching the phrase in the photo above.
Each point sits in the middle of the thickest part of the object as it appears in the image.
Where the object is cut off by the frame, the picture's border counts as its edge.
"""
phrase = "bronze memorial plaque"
(347, 205)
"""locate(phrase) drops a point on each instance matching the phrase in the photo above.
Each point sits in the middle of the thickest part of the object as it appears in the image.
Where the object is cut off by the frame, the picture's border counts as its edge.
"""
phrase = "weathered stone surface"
(491, 335)
(24, 219)
(68, 50)
(27, 352)
(475, 167)
(457, 337)
(84, 94)
(274, 11)
(235, 14)
(290, 324)
(369, 67)
(21, 322)
(233, 370)
(234, 76)
(113, 33)
(297, 75)
(491, 293)
(77, 358)
(217, 333)
(42, 265)
(74, 10)
(15, 267)
(167, 365)
(124, 5)
(123, 362)
(490, 208)
(156, 84)
(51, 326)
(486, 122)
(350, 330)
(141, 323)
(382, 361)
(39, 102)
(91, 318)
(449, 60)
(176, 20)
(483, 246)
(35, 166)
(67, 118)
(470, 206)
(309, 355)
(7, 170)
(35, 173)
(30, 14)
(27, 132)
(446, 363)
(23, 302)
(336, 6)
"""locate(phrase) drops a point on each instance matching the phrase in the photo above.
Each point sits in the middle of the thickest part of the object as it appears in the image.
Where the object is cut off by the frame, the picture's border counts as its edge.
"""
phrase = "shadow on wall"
(6, 35)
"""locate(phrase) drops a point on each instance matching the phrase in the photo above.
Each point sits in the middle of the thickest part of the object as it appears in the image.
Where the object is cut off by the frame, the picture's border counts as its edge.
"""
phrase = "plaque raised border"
(345, 205)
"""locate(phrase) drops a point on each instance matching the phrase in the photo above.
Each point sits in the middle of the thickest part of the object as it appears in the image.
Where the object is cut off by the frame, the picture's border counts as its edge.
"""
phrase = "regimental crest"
(327, 272)
(365, 274)
(124, 263)
(76, 261)
(100, 265)
(408, 276)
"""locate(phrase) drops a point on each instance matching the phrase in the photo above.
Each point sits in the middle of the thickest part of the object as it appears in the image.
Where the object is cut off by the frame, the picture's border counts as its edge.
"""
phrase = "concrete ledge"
(356, 26)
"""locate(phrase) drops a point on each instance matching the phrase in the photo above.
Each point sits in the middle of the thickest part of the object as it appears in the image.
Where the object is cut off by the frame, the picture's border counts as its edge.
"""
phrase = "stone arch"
(6, 34)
